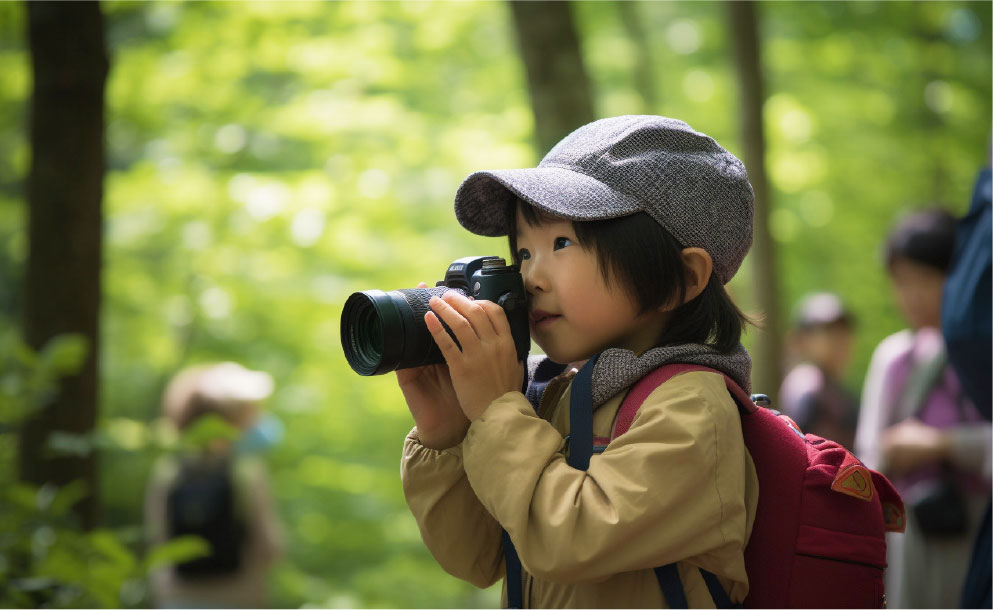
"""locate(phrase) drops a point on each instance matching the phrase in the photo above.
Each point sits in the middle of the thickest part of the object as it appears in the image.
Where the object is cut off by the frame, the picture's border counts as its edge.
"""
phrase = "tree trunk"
(64, 190)
(644, 75)
(767, 359)
(560, 89)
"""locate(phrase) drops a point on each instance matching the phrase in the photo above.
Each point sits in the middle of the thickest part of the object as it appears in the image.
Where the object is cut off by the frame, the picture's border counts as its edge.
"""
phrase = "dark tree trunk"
(644, 75)
(65, 189)
(768, 350)
(559, 86)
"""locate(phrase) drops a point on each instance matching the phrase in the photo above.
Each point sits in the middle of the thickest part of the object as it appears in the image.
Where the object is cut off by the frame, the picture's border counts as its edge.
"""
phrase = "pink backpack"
(819, 535)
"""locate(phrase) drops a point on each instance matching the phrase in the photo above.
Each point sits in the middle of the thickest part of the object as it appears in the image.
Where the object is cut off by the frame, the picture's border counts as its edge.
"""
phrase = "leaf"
(64, 354)
(107, 544)
(207, 429)
(22, 495)
(67, 497)
(183, 548)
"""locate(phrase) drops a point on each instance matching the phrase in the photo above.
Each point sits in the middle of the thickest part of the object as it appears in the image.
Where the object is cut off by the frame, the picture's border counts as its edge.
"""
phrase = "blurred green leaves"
(46, 560)
(28, 379)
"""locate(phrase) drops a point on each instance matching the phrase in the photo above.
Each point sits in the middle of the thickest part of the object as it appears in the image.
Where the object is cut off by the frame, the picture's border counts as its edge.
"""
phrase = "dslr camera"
(385, 331)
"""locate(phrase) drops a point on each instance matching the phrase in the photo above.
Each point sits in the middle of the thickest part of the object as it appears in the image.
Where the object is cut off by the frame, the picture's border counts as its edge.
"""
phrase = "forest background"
(265, 160)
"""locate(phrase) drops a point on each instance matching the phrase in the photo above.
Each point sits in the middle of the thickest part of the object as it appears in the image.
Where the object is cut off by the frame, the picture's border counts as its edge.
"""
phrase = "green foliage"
(207, 429)
(268, 159)
(45, 559)
(28, 379)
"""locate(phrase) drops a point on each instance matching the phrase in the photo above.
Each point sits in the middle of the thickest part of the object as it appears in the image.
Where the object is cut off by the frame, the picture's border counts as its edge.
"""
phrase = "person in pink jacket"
(625, 234)
(917, 426)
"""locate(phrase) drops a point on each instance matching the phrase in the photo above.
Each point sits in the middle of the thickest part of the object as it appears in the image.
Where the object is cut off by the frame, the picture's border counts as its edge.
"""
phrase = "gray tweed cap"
(619, 166)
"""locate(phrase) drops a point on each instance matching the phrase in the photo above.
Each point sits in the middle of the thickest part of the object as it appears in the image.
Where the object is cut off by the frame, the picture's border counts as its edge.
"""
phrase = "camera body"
(385, 331)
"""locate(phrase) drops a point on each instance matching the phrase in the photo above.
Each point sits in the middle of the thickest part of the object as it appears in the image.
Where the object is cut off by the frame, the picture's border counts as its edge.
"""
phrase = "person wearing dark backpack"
(919, 427)
(214, 490)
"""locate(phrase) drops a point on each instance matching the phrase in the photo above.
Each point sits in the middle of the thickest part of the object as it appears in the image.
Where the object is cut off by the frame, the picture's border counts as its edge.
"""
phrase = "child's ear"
(699, 266)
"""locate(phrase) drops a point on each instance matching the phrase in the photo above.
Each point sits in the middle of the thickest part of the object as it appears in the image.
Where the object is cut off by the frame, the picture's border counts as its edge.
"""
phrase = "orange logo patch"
(855, 481)
(894, 517)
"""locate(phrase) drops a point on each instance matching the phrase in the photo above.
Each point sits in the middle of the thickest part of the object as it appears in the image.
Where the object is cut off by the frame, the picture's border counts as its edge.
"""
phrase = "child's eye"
(523, 254)
(562, 242)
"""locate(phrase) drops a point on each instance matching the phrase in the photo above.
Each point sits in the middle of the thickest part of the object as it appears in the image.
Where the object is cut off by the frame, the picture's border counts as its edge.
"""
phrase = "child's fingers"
(460, 326)
(497, 316)
(472, 311)
(441, 337)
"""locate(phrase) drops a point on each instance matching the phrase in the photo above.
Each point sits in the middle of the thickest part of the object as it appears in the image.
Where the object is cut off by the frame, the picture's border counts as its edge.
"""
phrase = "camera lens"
(365, 321)
(385, 331)
(369, 330)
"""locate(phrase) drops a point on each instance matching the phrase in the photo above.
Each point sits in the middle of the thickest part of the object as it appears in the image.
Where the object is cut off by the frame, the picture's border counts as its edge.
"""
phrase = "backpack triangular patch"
(894, 516)
(854, 479)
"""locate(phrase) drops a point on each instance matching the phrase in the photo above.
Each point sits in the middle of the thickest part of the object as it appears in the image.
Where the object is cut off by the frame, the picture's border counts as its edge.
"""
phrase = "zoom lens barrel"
(385, 331)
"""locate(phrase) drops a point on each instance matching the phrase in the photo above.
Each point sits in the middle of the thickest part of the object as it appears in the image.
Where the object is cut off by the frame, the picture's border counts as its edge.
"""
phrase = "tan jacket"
(679, 486)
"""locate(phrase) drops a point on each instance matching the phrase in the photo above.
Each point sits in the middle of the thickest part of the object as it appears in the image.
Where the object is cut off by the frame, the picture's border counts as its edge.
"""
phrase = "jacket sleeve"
(461, 535)
(669, 489)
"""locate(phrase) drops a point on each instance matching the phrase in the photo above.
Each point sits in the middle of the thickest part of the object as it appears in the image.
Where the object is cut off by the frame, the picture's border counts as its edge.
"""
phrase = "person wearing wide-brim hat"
(233, 393)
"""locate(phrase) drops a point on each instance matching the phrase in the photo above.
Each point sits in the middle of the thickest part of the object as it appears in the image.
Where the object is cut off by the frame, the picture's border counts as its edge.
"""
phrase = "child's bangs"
(531, 214)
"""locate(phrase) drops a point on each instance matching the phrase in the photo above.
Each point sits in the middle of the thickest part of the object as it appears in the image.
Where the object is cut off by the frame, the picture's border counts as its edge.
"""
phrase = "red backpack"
(818, 540)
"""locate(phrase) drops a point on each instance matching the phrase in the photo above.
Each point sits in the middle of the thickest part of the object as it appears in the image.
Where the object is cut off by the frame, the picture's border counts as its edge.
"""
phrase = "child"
(812, 394)
(625, 233)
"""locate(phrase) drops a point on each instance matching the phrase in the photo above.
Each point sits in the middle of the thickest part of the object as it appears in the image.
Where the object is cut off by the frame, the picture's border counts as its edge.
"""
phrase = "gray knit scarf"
(617, 369)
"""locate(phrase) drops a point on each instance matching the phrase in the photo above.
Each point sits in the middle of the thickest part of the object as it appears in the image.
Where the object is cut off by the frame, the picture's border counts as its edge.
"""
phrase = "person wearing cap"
(917, 425)
(234, 393)
(625, 234)
(812, 394)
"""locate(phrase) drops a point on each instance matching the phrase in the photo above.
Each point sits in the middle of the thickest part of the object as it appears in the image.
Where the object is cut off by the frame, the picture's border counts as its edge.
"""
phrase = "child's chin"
(563, 357)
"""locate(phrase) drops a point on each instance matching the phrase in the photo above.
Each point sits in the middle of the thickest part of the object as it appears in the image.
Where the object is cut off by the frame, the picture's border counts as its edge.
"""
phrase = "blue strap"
(717, 592)
(672, 588)
(675, 595)
(581, 417)
(515, 590)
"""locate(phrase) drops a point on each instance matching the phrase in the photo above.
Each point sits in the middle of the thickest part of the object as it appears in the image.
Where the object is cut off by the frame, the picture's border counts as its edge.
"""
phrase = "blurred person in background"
(919, 427)
(215, 487)
(821, 341)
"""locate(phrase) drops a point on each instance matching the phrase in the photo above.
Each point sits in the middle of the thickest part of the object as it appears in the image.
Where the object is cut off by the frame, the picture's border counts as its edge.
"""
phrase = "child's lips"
(541, 318)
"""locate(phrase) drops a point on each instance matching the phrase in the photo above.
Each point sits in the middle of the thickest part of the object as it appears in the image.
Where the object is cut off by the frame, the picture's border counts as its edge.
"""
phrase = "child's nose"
(534, 279)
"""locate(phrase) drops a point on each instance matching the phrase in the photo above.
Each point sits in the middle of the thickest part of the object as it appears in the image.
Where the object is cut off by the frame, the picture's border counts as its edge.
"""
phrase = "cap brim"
(482, 199)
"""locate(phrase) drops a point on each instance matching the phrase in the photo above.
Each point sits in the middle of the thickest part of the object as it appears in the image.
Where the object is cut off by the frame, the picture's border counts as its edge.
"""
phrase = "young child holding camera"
(625, 234)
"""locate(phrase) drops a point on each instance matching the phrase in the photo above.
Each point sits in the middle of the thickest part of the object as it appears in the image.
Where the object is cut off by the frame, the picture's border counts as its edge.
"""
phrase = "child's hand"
(435, 406)
(487, 366)
(433, 403)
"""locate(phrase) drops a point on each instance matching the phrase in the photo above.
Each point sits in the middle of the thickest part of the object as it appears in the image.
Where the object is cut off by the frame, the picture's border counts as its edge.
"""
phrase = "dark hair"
(926, 237)
(646, 261)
